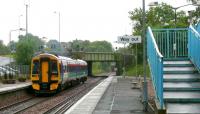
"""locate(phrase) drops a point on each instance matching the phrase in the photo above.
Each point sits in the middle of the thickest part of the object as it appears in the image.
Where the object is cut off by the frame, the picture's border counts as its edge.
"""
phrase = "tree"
(161, 16)
(12, 46)
(99, 46)
(3, 49)
(26, 48)
(195, 15)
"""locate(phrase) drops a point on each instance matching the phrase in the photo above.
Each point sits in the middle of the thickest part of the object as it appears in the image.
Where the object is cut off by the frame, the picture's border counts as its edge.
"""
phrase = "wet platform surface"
(120, 99)
(12, 87)
(87, 104)
(110, 97)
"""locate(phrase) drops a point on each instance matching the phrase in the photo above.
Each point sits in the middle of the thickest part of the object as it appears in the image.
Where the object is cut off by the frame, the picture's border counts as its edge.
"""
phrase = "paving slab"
(87, 104)
(113, 96)
(119, 98)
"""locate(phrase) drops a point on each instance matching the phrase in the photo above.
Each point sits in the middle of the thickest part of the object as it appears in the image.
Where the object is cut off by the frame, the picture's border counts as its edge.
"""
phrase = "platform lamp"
(194, 3)
(20, 29)
(145, 91)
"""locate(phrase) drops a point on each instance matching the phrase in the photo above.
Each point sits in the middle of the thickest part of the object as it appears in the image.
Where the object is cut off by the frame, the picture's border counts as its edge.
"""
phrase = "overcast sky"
(82, 19)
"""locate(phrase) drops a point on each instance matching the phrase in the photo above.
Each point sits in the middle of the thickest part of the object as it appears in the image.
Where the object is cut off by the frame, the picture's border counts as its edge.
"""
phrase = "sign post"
(129, 39)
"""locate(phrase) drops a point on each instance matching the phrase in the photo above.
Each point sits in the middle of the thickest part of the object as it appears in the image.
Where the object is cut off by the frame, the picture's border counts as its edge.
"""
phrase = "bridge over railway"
(174, 60)
(91, 57)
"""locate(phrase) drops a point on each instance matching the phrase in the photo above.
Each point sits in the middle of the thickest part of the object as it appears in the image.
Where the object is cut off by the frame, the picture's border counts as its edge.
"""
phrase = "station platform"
(114, 95)
(4, 88)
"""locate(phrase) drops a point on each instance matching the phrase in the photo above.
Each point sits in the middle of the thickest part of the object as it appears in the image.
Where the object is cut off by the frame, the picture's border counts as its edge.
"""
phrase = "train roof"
(45, 54)
(66, 60)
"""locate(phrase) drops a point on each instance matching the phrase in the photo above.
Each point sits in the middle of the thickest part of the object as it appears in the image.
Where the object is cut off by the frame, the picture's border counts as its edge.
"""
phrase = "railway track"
(63, 106)
(22, 105)
(58, 103)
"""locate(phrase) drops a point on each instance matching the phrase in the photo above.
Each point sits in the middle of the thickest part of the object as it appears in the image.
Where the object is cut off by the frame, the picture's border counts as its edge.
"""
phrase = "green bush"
(131, 70)
(22, 79)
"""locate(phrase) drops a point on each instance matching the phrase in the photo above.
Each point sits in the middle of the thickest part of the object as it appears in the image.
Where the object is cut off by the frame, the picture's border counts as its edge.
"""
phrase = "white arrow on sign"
(129, 39)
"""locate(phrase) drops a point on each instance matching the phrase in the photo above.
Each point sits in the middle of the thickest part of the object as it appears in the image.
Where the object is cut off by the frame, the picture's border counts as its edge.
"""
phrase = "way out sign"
(129, 39)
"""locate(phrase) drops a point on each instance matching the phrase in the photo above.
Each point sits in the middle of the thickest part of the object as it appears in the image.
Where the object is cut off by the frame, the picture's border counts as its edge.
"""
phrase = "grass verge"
(131, 70)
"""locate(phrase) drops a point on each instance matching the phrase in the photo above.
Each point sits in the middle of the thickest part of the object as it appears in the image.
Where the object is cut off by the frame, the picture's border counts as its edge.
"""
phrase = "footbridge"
(174, 60)
(91, 57)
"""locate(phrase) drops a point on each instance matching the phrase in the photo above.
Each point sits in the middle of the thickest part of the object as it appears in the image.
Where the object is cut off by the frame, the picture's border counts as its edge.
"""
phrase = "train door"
(45, 71)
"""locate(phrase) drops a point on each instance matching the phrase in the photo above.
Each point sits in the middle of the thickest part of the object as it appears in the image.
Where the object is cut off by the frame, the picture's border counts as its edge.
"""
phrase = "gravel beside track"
(57, 103)
(65, 96)
(63, 106)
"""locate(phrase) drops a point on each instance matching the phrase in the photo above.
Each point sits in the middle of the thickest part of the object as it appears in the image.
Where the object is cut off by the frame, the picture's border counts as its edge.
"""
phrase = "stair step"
(177, 62)
(181, 86)
(180, 97)
(179, 70)
(181, 77)
(177, 59)
(178, 65)
(186, 108)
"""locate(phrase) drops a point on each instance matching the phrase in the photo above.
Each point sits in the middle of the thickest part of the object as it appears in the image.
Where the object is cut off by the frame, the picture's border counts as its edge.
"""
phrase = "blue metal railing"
(172, 43)
(194, 46)
(197, 27)
(155, 60)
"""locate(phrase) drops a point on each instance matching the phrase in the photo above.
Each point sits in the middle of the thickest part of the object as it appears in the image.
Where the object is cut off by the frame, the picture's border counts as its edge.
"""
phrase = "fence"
(155, 60)
(14, 71)
(172, 43)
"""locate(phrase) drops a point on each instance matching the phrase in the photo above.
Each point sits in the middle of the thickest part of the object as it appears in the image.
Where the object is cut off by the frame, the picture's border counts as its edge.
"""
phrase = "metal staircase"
(181, 87)
(174, 60)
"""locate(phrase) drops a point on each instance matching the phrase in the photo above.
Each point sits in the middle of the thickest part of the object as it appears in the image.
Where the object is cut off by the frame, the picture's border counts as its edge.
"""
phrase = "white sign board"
(129, 39)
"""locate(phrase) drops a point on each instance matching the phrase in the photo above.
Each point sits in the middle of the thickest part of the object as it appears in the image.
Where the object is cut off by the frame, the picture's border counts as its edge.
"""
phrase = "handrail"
(168, 29)
(194, 46)
(196, 33)
(154, 42)
(155, 60)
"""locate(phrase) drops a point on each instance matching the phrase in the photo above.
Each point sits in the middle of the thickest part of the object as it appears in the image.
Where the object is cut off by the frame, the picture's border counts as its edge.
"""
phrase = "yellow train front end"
(45, 73)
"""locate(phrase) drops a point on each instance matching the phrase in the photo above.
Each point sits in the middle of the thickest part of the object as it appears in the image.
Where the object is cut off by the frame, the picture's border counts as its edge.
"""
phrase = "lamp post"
(144, 57)
(175, 8)
(26, 4)
(124, 68)
(19, 23)
(20, 29)
(58, 24)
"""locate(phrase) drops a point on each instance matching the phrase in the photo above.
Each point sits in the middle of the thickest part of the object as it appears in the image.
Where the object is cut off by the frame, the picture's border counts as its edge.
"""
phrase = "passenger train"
(51, 73)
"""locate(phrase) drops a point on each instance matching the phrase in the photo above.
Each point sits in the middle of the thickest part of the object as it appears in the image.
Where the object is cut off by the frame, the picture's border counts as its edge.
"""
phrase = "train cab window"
(35, 67)
(54, 68)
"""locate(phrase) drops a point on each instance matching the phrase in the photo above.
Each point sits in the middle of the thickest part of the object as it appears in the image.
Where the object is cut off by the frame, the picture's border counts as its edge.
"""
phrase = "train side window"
(54, 67)
(35, 67)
